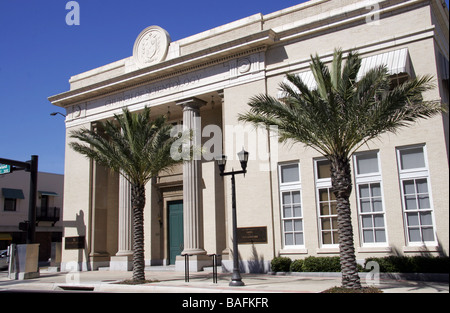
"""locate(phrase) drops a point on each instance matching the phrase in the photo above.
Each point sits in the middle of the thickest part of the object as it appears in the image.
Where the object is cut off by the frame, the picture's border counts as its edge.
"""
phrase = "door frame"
(167, 230)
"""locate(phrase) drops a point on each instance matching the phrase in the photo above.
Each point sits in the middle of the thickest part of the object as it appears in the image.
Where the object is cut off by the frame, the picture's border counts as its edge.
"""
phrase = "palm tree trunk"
(342, 187)
(138, 203)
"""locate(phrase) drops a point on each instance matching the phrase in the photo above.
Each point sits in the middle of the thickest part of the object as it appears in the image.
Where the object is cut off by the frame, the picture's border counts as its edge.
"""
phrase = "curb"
(431, 277)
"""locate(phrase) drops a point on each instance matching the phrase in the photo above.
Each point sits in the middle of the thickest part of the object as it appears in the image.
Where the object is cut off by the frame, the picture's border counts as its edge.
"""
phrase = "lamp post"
(236, 279)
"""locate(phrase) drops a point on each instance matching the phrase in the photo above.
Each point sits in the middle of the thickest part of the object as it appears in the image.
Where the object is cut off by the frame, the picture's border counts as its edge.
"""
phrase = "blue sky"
(39, 52)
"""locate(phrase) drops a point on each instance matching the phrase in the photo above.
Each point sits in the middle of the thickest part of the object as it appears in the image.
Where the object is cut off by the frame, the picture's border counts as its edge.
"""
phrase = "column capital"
(191, 103)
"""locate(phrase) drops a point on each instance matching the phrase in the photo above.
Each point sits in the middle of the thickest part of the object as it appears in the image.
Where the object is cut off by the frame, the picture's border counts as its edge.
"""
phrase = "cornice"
(170, 68)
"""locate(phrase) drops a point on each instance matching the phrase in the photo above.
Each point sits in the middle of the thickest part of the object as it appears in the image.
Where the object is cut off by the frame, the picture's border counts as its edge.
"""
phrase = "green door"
(175, 209)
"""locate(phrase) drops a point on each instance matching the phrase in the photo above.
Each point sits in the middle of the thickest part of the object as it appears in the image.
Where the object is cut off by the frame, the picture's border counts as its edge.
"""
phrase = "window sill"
(327, 250)
(422, 248)
(293, 251)
(373, 249)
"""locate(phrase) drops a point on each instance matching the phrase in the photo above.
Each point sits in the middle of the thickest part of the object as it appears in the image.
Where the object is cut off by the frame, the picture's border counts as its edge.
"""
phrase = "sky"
(39, 53)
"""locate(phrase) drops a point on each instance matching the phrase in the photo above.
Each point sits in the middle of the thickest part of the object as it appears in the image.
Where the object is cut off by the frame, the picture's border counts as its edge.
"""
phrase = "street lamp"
(54, 113)
(221, 162)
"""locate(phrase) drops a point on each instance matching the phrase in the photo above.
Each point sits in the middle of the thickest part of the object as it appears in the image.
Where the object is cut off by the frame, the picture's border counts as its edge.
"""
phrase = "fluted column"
(123, 260)
(125, 219)
(192, 177)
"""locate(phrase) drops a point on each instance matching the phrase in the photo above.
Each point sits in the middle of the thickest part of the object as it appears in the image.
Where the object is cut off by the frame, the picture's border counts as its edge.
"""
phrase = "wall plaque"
(250, 235)
(74, 243)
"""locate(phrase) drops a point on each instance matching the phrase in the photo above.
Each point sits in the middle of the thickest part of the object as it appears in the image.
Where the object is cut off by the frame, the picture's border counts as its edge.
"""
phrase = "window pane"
(333, 207)
(323, 194)
(298, 239)
(287, 211)
(286, 198)
(424, 202)
(289, 239)
(364, 191)
(324, 209)
(326, 224)
(422, 186)
(428, 234)
(410, 202)
(425, 219)
(298, 225)
(378, 220)
(414, 234)
(326, 238)
(335, 237)
(334, 222)
(380, 235)
(297, 211)
(365, 206)
(408, 187)
(296, 197)
(412, 158)
(367, 163)
(376, 190)
(288, 226)
(289, 173)
(377, 205)
(368, 236)
(323, 169)
(367, 221)
(412, 219)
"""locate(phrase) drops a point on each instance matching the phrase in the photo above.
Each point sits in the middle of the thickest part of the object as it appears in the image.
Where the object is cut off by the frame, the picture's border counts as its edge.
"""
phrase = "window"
(370, 199)
(10, 204)
(291, 205)
(327, 204)
(416, 195)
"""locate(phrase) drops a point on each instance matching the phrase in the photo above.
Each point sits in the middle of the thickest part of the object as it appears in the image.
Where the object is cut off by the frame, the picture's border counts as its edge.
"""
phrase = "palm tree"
(336, 118)
(138, 148)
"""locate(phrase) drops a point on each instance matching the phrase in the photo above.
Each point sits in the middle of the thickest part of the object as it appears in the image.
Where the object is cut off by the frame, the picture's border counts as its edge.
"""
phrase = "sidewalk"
(201, 282)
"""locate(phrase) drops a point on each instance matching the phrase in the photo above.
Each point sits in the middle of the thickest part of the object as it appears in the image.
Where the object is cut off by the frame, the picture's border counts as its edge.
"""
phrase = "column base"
(121, 263)
(196, 263)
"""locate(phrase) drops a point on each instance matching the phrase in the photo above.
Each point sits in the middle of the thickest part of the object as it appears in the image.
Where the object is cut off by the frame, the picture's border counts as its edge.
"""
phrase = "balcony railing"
(48, 214)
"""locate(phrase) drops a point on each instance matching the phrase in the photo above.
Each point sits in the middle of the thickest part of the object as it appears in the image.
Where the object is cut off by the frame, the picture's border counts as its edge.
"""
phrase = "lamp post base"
(236, 280)
(236, 283)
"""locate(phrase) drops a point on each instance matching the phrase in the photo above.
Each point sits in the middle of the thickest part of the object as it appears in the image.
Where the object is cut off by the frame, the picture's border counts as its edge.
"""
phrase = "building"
(14, 205)
(401, 190)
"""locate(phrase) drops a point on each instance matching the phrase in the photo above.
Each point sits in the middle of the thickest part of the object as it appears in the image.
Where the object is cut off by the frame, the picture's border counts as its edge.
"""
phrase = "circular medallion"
(151, 46)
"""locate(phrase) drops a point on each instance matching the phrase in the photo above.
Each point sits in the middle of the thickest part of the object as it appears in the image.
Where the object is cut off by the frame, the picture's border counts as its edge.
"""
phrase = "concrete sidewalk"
(201, 282)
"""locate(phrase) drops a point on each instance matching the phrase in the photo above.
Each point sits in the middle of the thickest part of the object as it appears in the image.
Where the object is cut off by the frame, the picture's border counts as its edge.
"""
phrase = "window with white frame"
(327, 204)
(291, 205)
(371, 210)
(416, 195)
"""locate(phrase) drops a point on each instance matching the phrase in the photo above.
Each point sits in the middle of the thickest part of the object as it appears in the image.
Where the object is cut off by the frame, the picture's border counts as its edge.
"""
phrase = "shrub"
(321, 264)
(280, 264)
(412, 264)
(297, 266)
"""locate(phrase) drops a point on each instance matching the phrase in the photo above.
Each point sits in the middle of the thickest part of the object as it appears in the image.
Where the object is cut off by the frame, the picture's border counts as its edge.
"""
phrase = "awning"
(13, 193)
(48, 193)
(397, 62)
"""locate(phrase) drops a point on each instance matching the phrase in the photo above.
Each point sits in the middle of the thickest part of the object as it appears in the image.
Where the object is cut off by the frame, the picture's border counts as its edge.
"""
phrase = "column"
(192, 219)
(123, 260)
(192, 190)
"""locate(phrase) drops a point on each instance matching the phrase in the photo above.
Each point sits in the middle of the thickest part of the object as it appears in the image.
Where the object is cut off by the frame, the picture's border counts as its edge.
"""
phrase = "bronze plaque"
(74, 243)
(249, 235)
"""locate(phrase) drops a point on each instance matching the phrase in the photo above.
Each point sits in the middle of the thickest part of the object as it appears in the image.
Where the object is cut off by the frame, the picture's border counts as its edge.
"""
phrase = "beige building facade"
(14, 206)
(400, 199)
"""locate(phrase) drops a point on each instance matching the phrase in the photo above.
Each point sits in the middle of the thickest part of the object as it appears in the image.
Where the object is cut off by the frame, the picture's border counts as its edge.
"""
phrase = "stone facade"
(212, 75)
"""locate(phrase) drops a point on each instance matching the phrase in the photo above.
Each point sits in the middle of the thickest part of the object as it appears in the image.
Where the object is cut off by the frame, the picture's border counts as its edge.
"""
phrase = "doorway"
(176, 243)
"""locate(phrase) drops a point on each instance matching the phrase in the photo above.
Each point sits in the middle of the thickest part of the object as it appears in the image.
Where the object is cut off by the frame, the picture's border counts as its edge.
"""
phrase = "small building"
(14, 206)
(400, 199)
